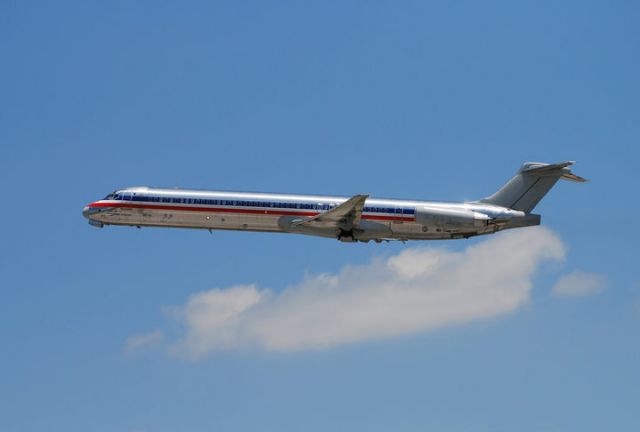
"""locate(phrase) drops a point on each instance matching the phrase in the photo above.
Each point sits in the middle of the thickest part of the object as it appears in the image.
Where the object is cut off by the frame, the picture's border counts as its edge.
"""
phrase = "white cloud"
(143, 340)
(418, 290)
(579, 283)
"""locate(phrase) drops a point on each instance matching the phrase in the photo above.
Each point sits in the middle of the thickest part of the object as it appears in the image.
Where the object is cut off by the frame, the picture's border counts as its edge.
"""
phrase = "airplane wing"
(345, 216)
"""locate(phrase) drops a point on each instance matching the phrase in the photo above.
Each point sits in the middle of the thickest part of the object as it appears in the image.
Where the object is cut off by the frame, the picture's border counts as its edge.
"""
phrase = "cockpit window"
(112, 196)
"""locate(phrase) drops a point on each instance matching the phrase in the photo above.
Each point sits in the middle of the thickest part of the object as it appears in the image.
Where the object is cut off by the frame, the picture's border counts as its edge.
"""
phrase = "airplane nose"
(85, 212)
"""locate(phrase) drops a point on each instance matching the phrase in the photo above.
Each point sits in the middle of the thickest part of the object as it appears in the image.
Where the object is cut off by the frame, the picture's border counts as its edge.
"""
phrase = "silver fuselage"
(381, 219)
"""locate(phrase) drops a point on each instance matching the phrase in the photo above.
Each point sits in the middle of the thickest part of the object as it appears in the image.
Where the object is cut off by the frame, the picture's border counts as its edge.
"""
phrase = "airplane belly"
(371, 230)
(202, 219)
(251, 222)
(407, 228)
(417, 231)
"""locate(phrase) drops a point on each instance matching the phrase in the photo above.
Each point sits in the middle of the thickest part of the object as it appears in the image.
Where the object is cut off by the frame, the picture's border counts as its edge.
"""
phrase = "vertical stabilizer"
(532, 182)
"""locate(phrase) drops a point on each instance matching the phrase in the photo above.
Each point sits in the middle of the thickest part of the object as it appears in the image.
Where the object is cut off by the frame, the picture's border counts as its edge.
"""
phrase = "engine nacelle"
(438, 217)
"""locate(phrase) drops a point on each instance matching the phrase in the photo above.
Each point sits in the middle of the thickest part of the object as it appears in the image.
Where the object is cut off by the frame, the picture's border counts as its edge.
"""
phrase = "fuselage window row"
(263, 204)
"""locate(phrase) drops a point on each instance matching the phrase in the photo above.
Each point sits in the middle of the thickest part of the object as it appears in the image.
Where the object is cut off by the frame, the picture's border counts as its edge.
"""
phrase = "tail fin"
(533, 181)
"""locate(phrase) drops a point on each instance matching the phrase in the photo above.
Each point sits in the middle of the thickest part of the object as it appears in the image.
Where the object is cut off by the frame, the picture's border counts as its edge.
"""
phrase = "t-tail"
(532, 182)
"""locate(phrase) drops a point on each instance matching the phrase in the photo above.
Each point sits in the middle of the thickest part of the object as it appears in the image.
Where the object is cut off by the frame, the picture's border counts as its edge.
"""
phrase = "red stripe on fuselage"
(237, 210)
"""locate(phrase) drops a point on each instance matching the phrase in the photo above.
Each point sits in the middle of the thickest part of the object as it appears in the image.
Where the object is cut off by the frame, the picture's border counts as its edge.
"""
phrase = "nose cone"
(85, 212)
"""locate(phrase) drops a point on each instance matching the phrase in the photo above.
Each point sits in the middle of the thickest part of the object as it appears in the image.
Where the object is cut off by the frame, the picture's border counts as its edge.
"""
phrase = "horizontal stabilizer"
(552, 169)
(572, 177)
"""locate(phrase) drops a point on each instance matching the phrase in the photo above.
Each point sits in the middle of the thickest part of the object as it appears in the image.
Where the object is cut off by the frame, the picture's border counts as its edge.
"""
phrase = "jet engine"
(438, 217)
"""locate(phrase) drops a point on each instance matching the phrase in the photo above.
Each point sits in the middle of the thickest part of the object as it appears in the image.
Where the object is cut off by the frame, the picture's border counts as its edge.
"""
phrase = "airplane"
(355, 219)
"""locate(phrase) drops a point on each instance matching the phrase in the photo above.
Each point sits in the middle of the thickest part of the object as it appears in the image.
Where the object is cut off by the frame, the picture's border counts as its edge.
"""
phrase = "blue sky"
(407, 100)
